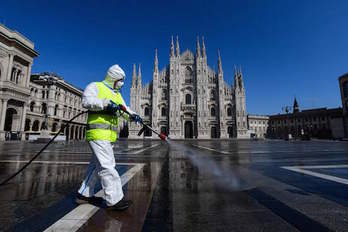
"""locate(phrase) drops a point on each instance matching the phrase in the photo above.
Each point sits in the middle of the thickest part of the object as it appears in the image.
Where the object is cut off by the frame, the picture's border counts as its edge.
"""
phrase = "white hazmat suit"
(102, 164)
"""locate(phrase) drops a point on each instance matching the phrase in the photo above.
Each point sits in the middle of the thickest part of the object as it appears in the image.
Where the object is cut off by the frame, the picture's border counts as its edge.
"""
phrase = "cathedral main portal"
(188, 129)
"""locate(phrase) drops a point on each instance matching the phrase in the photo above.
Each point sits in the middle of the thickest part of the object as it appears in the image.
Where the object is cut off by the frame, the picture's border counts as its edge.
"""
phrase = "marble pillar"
(28, 75)
(2, 119)
(9, 68)
(24, 114)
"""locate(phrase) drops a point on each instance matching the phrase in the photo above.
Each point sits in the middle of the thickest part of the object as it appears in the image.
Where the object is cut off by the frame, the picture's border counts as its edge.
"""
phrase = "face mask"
(118, 84)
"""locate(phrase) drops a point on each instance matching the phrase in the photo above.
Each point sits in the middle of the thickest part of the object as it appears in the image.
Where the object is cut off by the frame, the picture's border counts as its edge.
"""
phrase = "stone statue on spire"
(172, 48)
(204, 54)
(134, 77)
(219, 62)
(177, 46)
(198, 48)
(155, 66)
(139, 77)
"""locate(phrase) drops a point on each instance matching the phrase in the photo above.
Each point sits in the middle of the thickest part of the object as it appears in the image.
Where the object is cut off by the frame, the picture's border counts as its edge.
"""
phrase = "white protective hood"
(114, 74)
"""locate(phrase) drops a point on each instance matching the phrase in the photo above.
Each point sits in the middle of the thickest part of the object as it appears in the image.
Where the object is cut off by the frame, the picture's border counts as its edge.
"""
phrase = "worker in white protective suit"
(102, 99)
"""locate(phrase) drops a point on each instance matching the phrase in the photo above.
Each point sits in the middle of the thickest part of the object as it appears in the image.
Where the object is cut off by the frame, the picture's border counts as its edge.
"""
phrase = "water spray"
(229, 178)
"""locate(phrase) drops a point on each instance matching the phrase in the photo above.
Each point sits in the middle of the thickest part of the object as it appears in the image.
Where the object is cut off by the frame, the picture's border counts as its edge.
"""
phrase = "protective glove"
(112, 107)
(136, 118)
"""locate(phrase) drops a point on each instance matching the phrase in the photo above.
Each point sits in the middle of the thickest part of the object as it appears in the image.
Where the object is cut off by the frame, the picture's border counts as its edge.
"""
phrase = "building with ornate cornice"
(16, 58)
(188, 99)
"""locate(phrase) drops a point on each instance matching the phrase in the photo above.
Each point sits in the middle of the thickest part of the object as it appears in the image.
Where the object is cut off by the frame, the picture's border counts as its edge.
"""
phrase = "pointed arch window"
(229, 111)
(188, 99)
(212, 112)
(212, 94)
(164, 94)
(188, 75)
(163, 112)
(146, 111)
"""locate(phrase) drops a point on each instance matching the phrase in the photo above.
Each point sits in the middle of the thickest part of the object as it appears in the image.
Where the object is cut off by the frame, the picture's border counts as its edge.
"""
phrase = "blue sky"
(285, 47)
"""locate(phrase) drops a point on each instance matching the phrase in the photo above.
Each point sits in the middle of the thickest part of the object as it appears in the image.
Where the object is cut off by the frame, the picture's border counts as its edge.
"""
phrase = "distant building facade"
(258, 125)
(343, 82)
(188, 99)
(320, 123)
(27, 102)
(52, 103)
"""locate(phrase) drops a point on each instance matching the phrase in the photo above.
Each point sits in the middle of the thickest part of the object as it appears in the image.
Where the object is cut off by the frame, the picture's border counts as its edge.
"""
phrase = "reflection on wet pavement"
(213, 185)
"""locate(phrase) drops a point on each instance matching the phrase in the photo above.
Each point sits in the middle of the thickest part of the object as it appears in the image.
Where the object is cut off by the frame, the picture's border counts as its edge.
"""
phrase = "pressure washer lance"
(162, 136)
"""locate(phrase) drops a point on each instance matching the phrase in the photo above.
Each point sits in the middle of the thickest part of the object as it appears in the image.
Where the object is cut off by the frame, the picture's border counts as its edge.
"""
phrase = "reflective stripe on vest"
(103, 125)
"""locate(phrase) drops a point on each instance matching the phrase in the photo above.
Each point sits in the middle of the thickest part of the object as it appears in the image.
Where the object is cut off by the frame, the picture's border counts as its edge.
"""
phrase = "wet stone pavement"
(213, 185)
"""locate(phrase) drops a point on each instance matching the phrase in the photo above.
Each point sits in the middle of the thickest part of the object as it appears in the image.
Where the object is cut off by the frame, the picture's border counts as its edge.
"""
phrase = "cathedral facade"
(188, 99)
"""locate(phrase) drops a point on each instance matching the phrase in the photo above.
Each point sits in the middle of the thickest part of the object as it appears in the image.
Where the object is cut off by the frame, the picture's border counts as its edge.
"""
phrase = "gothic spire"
(236, 84)
(198, 48)
(134, 76)
(139, 76)
(295, 107)
(219, 62)
(172, 48)
(240, 76)
(177, 46)
(155, 66)
(204, 54)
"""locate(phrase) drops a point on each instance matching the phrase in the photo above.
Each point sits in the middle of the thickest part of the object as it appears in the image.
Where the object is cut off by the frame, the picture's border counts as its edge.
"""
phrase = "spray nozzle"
(163, 136)
(123, 108)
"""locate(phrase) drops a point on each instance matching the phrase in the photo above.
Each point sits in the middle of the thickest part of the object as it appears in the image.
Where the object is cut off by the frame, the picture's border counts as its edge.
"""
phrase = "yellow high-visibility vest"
(100, 124)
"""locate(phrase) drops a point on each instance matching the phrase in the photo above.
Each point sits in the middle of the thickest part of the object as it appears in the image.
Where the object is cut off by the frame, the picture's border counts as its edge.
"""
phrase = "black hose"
(42, 149)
